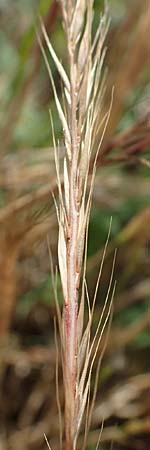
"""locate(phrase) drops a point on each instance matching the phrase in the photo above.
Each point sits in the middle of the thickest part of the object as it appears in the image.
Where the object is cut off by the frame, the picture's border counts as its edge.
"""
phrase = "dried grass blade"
(58, 64)
(77, 20)
(58, 104)
(98, 370)
(57, 387)
(58, 172)
(66, 186)
(105, 303)
(101, 266)
(54, 284)
(48, 445)
(83, 404)
(104, 326)
(62, 256)
(100, 435)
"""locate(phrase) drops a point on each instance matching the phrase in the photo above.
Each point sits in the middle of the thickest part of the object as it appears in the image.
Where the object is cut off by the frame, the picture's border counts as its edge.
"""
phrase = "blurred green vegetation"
(121, 191)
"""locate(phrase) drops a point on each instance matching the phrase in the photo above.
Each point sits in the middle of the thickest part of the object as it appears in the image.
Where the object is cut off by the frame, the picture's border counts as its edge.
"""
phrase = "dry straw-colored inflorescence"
(83, 89)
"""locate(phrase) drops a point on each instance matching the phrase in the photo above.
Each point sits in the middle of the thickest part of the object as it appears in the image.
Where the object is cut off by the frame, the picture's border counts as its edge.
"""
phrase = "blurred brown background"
(27, 215)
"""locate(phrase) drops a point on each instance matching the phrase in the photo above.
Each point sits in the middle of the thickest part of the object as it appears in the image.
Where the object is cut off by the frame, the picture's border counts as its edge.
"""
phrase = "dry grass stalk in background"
(83, 94)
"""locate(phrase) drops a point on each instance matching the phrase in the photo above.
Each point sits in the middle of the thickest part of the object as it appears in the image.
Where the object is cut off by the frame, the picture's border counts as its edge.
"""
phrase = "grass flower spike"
(83, 89)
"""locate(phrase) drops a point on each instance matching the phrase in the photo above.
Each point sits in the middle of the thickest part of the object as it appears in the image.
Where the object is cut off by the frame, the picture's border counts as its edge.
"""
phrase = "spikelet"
(83, 91)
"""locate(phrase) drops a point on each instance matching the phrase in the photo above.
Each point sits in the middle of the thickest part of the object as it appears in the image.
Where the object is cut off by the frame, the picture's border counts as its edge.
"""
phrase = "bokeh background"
(27, 216)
